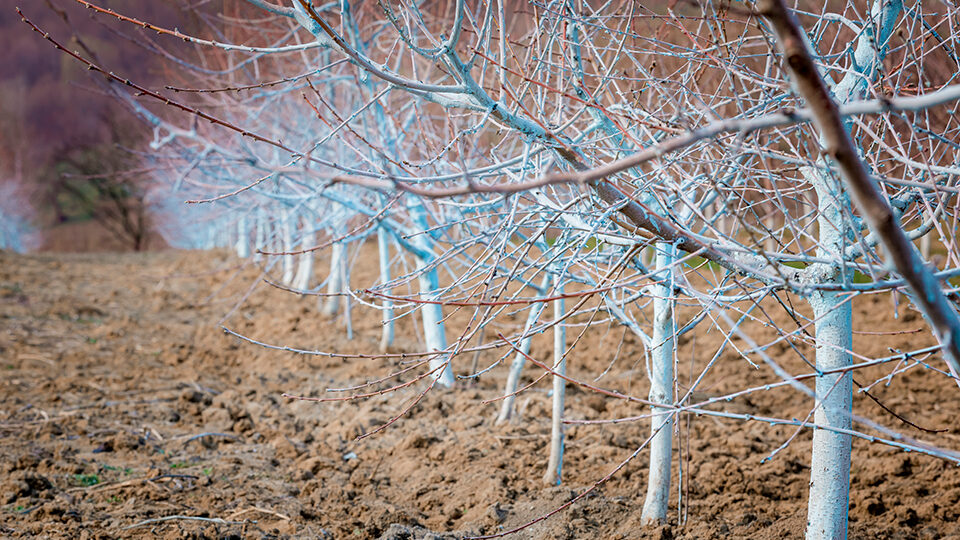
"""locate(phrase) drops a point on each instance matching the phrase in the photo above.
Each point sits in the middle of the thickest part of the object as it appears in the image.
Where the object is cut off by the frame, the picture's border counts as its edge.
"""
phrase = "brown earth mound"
(126, 412)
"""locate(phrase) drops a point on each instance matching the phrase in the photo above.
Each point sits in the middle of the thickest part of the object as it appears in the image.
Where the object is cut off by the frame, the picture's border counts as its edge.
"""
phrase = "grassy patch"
(127, 471)
(86, 480)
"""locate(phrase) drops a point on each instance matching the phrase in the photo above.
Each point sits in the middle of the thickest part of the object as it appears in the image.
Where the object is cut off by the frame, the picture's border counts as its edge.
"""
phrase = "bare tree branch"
(869, 199)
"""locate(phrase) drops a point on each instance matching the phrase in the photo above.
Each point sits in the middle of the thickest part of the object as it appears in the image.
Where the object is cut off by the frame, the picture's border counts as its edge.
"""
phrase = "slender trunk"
(830, 467)
(516, 367)
(260, 234)
(347, 300)
(335, 280)
(383, 245)
(434, 332)
(828, 503)
(286, 241)
(552, 476)
(305, 266)
(243, 238)
(661, 390)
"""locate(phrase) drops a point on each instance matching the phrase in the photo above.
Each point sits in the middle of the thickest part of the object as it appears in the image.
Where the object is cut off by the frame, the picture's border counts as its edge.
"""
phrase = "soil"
(125, 411)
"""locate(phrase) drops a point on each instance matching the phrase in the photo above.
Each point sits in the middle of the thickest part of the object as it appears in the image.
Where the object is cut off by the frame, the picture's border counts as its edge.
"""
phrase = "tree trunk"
(830, 463)
(260, 234)
(335, 280)
(305, 267)
(243, 238)
(383, 244)
(661, 390)
(828, 503)
(286, 241)
(552, 476)
(434, 333)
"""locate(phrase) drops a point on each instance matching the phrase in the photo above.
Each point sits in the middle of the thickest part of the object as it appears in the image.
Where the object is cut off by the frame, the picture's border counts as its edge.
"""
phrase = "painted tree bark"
(434, 331)
(305, 265)
(335, 285)
(286, 245)
(661, 388)
(243, 238)
(383, 251)
(829, 499)
(554, 472)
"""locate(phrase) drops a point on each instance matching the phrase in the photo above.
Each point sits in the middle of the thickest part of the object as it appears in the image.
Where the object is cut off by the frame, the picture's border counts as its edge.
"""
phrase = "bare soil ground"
(122, 403)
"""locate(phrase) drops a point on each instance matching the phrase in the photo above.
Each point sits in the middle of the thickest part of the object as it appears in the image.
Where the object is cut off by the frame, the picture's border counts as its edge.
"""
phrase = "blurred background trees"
(65, 146)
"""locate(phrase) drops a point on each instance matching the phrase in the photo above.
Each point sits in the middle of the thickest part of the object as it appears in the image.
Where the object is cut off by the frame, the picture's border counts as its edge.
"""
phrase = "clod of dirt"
(875, 506)
(309, 467)
(663, 532)
(403, 532)
(284, 448)
(418, 440)
(56, 511)
(23, 484)
(126, 441)
(195, 396)
(497, 514)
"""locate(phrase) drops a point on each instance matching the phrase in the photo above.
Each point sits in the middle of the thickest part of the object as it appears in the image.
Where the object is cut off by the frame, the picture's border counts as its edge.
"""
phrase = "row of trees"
(564, 162)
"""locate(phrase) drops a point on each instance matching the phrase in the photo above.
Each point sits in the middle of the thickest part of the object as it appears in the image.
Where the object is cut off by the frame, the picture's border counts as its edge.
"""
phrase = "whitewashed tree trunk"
(243, 238)
(553, 474)
(338, 262)
(828, 503)
(434, 333)
(286, 242)
(305, 265)
(519, 360)
(383, 245)
(260, 234)
(347, 300)
(661, 389)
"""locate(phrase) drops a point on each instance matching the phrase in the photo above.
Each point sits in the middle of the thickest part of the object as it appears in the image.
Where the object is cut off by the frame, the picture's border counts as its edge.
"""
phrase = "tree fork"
(926, 289)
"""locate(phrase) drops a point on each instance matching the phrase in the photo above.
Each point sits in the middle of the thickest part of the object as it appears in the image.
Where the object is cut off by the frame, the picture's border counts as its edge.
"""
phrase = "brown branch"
(866, 195)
